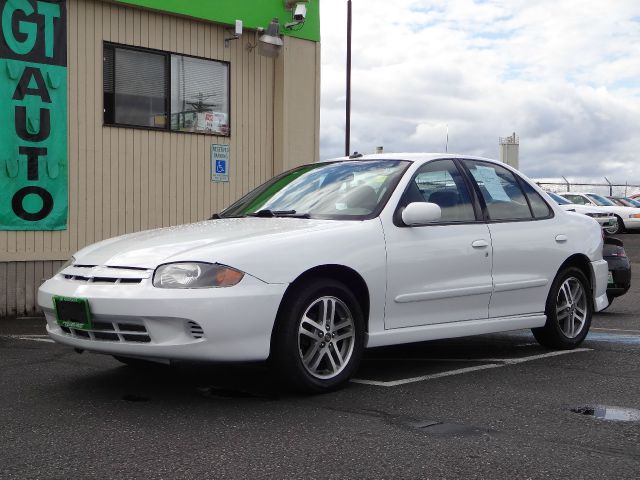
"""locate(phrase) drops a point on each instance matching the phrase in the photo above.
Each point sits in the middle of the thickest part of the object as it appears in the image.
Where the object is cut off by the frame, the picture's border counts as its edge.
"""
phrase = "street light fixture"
(270, 42)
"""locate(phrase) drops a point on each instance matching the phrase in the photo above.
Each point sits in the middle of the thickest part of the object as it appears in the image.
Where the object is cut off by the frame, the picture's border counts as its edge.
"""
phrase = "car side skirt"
(454, 329)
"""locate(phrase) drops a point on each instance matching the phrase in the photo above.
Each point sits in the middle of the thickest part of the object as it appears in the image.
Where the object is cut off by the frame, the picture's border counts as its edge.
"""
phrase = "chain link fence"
(607, 188)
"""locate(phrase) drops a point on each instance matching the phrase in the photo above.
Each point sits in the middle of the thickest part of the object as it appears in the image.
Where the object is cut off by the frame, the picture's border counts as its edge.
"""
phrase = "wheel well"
(581, 262)
(346, 275)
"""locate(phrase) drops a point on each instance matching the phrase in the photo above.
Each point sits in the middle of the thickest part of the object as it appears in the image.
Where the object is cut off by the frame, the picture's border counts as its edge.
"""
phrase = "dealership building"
(124, 115)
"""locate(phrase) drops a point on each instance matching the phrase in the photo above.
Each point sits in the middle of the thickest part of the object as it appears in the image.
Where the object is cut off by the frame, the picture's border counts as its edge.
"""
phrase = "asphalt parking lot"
(493, 406)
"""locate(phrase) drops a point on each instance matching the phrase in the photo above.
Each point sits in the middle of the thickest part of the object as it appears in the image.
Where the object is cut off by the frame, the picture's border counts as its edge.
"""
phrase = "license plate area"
(73, 312)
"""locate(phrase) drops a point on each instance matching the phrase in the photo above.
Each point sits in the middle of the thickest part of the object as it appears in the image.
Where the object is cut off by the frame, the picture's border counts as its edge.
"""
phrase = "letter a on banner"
(33, 115)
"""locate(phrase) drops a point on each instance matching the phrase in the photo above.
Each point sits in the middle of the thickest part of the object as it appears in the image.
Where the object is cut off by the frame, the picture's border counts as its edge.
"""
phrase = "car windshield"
(348, 190)
(632, 201)
(599, 200)
(620, 201)
(558, 199)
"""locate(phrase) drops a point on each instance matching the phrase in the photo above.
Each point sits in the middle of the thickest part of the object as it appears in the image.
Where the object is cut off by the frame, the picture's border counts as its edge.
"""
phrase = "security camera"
(300, 12)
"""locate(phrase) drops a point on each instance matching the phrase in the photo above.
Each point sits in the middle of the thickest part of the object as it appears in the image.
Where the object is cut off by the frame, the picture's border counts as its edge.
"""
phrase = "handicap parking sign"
(219, 163)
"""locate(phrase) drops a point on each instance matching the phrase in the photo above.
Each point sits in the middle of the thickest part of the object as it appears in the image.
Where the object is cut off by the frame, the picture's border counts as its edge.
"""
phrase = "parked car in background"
(628, 218)
(625, 201)
(330, 258)
(606, 220)
(635, 196)
(619, 280)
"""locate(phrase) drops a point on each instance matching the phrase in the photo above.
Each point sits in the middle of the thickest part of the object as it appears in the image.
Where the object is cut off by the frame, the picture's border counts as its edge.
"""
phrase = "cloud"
(565, 76)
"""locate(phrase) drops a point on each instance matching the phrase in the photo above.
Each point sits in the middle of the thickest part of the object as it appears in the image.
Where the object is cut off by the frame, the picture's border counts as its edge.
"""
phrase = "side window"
(576, 199)
(500, 190)
(539, 207)
(441, 182)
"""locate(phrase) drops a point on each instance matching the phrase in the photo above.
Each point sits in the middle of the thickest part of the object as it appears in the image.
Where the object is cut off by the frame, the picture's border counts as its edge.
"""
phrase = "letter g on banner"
(27, 30)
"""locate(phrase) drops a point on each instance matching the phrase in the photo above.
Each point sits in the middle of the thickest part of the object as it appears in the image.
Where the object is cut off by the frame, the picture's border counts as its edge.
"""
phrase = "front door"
(439, 272)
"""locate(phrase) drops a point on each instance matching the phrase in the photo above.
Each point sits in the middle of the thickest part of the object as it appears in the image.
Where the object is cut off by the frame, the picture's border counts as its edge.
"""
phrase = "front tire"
(318, 340)
(618, 227)
(569, 309)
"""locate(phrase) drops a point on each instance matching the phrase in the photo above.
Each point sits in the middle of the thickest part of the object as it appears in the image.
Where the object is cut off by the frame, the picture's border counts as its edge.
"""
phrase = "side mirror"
(421, 213)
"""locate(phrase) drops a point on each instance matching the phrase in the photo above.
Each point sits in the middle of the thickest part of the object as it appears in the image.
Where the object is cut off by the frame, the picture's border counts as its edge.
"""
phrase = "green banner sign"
(33, 115)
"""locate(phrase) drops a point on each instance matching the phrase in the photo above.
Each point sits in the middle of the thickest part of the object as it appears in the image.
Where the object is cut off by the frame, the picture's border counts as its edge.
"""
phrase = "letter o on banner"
(18, 199)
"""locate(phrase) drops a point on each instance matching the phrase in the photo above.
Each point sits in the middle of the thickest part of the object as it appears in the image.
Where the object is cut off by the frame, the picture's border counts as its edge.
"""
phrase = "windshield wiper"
(279, 213)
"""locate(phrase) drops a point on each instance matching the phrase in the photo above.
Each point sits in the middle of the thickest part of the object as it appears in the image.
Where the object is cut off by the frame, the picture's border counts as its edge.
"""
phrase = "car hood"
(151, 248)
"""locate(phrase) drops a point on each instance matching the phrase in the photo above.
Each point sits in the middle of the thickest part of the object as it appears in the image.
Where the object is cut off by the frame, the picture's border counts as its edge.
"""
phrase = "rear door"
(525, 236)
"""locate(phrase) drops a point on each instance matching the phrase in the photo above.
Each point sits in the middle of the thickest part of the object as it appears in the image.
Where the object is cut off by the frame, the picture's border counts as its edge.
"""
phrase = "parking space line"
(433, 376)
(616, 330)
(513, 361)
(460, 371)
(32, 338)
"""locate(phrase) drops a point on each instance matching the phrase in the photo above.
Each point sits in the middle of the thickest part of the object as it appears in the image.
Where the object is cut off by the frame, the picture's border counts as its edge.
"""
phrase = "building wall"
(123, 180)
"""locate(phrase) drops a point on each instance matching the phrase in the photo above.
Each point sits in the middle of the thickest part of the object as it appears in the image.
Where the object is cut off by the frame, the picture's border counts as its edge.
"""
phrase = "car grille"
(106, 274)
(599, 215)
(126, 332)
(195, 330)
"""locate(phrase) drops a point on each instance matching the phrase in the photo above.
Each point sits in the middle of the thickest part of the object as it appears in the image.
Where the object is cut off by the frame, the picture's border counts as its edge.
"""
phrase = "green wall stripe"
(253, 13)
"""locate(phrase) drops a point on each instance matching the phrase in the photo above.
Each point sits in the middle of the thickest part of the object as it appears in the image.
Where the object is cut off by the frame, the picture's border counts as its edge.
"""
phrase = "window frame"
(483, 204)
(475, 204)
(167, 100)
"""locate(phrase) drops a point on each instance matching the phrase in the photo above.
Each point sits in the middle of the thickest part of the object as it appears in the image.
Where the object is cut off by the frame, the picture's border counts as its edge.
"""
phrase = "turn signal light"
(227, 277)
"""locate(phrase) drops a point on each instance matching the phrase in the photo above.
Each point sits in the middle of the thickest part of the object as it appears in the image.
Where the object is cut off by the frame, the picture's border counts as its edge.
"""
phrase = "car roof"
(411, 157)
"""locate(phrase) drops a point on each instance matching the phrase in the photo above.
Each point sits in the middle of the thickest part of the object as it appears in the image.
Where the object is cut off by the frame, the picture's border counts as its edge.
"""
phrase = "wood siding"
(19, 282)
(123, 180)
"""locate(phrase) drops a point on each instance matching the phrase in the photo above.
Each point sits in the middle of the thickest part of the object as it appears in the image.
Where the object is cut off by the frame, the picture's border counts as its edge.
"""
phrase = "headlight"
(66, 264)
(195, 275)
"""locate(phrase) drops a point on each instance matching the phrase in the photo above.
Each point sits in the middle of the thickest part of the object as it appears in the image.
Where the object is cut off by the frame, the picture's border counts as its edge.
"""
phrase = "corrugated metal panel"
(124, 180)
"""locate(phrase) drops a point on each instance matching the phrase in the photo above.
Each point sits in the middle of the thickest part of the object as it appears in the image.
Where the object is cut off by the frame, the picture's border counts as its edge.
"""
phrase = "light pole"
(347, 132)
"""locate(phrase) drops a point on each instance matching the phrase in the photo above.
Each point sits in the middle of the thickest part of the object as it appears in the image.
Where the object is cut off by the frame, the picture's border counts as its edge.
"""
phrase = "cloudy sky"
(563, 74)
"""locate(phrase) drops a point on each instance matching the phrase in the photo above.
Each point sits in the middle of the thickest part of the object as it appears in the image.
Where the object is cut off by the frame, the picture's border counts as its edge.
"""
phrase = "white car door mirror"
(421, 213)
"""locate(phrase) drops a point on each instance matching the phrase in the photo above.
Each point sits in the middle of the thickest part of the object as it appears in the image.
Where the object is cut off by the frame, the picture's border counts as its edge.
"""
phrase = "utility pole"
(347, 132)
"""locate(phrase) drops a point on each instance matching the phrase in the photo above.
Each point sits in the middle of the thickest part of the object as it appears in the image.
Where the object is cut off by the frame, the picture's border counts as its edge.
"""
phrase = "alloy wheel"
(326, 337)
(571, 307)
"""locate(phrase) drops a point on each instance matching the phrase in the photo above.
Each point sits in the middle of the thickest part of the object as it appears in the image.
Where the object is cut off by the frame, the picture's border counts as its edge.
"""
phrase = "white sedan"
(628, 218)
(331, 258)
(607, 220)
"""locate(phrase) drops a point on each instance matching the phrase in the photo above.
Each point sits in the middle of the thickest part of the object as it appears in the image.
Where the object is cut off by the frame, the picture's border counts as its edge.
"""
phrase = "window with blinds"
(151, 89)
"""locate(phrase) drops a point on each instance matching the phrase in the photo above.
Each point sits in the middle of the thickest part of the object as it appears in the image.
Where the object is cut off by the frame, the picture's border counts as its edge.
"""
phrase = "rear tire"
(569, 310)
(318, 339)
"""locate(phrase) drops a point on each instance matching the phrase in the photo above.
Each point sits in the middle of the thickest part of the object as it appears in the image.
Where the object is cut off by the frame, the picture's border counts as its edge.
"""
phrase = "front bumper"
(214, 324)
(631, 223)
(605, 221)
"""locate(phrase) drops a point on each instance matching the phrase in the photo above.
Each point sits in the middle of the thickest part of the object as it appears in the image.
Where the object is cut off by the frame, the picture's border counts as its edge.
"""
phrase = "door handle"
(480, 244)
(561, 238)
